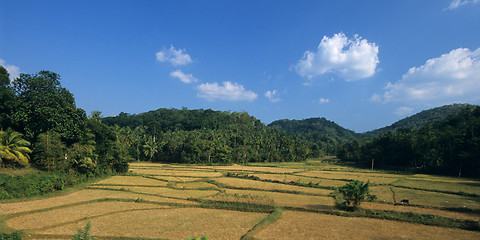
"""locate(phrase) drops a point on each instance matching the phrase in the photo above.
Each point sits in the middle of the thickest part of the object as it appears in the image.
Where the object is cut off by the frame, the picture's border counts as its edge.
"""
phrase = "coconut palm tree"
(14, 147)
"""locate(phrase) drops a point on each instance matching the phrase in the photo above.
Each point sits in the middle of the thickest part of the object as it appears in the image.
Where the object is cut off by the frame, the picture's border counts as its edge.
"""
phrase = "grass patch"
(274, 216)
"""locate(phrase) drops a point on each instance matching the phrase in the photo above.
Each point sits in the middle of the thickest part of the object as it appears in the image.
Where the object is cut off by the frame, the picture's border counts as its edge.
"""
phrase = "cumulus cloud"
(403, 111)
(13, 70)
(186, 78)
(174, 56)
(323, 100)
(459, 3)
(227, 91)
(273, 96)
(350, 59)
(454, 76)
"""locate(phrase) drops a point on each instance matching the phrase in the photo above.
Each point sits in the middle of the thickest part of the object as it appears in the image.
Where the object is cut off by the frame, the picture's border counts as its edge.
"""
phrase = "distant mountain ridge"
(420, 119)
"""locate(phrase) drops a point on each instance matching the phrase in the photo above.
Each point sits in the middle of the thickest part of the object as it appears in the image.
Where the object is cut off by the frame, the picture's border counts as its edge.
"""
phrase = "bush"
(84, 234)
(11, 236)
(35, 184)
(355, 192)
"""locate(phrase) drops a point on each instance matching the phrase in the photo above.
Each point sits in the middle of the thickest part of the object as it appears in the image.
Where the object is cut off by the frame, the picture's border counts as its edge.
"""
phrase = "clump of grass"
(84, 233)
(197, 238)
(273, 217)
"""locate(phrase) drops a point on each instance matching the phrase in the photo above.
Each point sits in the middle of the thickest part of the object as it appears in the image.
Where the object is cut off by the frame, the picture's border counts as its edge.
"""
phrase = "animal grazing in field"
(404, 201)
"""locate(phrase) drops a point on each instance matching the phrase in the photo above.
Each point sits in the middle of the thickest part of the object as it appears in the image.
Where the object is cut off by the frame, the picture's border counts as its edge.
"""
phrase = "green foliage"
(11, 236)
(450, 146)
(355, 192)
(198, 238)
(421, 119)
(84, 234)
(323, 134)
(35, 184)
(44, 105)
(7, 99)
(203, 136)
(14, 148)
(49, 152)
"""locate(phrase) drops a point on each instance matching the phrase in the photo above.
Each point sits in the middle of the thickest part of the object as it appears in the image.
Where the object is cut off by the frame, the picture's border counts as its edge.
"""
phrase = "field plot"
(246, 183)
(162, 201)
(304, 225)
(377, 178)
(445, 185)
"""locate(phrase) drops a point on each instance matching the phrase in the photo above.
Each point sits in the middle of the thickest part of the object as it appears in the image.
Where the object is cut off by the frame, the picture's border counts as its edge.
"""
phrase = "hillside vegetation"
(206, 136)
(326, 134)
(421, 119)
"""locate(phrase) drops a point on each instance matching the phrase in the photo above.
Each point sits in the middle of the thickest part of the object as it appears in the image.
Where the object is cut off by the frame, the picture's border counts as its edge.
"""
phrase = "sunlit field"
(261, 201)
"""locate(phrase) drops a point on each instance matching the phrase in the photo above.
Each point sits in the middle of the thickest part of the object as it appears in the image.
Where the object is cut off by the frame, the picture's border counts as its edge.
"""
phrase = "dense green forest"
(449, 146)
(420, 119)
(319, 131)
(206, 136)
(41, 127)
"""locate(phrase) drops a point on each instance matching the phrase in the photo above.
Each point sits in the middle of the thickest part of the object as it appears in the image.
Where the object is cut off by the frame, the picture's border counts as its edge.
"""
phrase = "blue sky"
(361, 64)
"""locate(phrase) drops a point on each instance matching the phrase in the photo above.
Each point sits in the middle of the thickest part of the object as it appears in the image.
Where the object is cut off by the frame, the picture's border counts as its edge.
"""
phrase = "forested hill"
(325, 133)
(420, 119)
(163, 119)
(205, 136)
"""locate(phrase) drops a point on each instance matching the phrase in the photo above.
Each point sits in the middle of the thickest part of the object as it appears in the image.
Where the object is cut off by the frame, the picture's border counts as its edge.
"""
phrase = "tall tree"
(44, 105)
(7, 103)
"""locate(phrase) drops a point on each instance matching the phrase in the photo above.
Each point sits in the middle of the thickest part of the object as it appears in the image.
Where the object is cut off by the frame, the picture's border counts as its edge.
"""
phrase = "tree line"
(206, 137)
(449, 146)
(41, 125)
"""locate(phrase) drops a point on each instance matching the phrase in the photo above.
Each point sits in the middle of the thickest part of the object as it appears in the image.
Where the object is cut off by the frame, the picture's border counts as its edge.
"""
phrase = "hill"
(326, 134)
(420, 119)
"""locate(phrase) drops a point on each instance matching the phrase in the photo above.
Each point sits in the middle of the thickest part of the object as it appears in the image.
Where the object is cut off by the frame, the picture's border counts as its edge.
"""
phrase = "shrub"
(11, 236)
(355, 192)
(84, 234)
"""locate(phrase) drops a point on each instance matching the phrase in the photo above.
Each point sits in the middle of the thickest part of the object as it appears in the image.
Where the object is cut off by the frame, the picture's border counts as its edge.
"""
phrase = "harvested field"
(441, 185)
(436, 212)
(176, 179)
(289, 200)
(169, 223)
(246, 183)
(80, 196)
(377, 178)
(74, 213)
(236, 167)
(304, 225)
(168, 192)
(195, 185)
(301, 179)
(132, 181)
(425, 198)
(177, 173)
(156, 204)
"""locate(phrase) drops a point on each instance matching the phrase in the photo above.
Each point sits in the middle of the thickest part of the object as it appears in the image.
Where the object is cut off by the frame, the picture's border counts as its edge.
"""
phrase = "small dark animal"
(404, 201)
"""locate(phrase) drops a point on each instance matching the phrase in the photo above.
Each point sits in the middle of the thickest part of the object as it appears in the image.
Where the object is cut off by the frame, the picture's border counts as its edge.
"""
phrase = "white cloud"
(459, 3)
(403, 111)
(323, 100)
(351, 59)
(273, 96)
(454, 76)
(174, 56)
(12, 70)
(227, 91)
(186, 78)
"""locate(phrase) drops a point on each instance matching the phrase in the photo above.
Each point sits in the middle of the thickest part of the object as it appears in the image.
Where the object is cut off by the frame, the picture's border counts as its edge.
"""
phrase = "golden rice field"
(163, 201)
